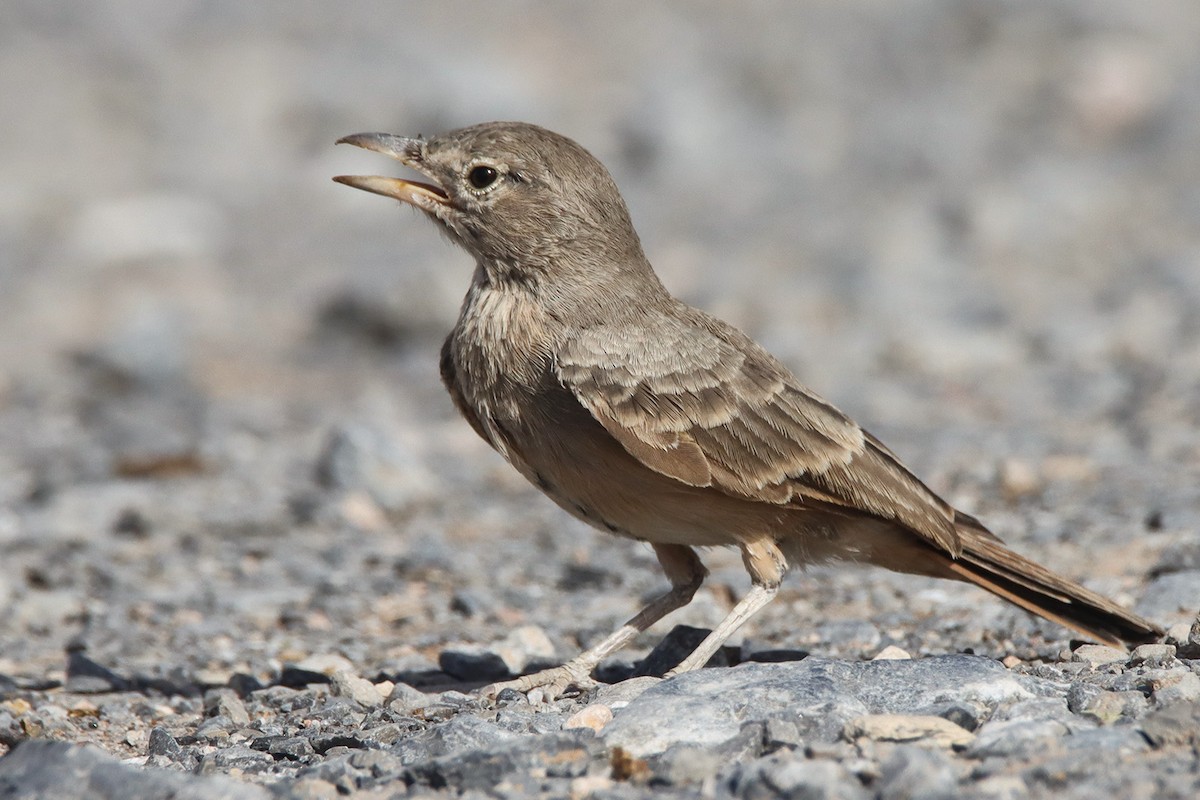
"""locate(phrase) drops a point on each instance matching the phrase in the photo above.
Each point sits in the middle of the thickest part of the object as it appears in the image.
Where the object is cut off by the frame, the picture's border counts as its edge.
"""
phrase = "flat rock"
(710, 706)
(39, 769)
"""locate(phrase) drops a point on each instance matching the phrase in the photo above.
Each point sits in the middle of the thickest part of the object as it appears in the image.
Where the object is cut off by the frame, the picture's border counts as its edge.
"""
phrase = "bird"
(653, 420)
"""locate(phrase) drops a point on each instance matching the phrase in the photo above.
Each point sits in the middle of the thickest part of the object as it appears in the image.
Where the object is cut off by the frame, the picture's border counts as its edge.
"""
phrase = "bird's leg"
(766, 566)
(686, 573)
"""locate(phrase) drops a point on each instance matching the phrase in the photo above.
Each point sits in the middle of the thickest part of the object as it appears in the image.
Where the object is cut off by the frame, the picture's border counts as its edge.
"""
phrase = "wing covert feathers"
(696, 400)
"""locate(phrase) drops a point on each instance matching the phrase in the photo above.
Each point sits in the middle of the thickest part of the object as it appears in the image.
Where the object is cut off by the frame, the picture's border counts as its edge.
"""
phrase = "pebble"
(360, 690)
(225, 703)
(908, 728)
(1103, 706)
(326, 664)
(405, 698)
(594, 716)
(1016, 738)
(1183, 688)
(1098, 655)
(523, 646)
(1152, 655)
(685, 764)
(891, 653)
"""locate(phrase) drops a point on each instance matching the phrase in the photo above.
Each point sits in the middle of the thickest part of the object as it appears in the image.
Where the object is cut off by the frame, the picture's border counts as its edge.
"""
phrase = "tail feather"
(986, 562)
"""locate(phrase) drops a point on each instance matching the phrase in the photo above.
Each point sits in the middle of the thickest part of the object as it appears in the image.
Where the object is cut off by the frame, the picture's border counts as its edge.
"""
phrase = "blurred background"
(974, 225)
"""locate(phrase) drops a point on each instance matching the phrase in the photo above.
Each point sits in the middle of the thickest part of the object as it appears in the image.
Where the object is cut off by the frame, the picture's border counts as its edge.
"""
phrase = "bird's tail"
(987, 563)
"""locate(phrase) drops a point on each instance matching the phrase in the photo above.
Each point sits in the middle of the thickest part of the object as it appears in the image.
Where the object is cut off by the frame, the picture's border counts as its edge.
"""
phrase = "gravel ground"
(249, 550)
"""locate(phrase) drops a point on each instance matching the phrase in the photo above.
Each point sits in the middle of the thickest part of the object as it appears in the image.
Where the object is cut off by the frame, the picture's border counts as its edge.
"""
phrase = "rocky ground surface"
(248, 550)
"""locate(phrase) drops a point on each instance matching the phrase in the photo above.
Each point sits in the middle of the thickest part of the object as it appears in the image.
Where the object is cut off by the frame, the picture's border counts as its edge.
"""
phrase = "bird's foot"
(547, 685)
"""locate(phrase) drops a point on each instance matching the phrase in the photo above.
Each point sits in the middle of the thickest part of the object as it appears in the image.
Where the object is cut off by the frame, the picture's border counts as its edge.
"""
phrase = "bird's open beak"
(407, 152)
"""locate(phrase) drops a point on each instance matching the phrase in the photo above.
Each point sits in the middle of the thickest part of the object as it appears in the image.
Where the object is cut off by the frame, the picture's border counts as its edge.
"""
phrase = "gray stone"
(226, 703)
(1174, 725)
(289, 747)
(85, 676)
(459, 734)
(405, 698)
(689, 763)
(619, 695)
(1184, 688)
(1152, 655)
(306, 789)
(1103, 706)
(524, 646)
(568, 754)
(1097, 655)
(912, 772)
(162, 743)
(1016, 737)
(346, 684)
(781, 732)
(794, 776)
(709, 706)
(45, 770)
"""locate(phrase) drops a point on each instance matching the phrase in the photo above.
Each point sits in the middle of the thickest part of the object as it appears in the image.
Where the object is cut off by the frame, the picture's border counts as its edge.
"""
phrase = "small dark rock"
(964, 715)
(132, 523)
(468, 665)
(323, 744)
(586, 576)
(85, 676)
(369, 320)
(162, 743)
(777, 656)
(291, 748)
(297, 678)
(678, 645)
(469, 603)
(244, 685)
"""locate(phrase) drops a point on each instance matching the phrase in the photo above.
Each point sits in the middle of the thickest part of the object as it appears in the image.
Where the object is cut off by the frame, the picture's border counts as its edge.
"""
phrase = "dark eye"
(482, 177)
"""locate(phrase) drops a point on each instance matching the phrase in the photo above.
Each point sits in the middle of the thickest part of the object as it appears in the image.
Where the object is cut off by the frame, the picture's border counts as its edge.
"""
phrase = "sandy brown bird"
(650, 419)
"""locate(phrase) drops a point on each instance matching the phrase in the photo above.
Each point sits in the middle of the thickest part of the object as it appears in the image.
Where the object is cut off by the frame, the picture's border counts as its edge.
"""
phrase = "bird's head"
(526, 202)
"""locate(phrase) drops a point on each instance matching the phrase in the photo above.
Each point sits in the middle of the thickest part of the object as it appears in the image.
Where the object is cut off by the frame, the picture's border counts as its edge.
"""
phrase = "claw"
(550, 684)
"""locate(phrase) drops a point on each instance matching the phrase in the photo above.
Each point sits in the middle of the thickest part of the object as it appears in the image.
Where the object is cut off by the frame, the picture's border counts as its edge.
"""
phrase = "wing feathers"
(698, 401)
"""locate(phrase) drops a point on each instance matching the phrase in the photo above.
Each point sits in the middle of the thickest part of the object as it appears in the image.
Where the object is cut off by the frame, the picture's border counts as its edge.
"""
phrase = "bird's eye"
(482, 177)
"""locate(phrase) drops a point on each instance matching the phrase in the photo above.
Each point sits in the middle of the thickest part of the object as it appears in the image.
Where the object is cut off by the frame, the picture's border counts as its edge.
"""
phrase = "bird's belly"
(586, 472)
